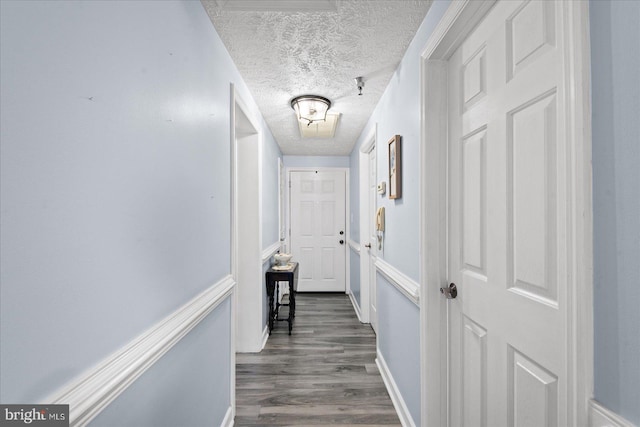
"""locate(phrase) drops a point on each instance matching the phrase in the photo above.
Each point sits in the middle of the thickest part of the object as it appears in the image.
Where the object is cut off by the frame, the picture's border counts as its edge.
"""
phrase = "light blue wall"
(115, 185)
(270, 185)
(399, 342)
(354, 196)
(398, 113)
(615, 54)
(354, 275)
(316, 161)
(192, 375)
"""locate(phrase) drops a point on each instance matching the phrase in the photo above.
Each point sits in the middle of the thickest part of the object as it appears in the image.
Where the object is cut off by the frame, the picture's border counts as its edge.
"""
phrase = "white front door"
(508, 213)
(373, 240)
(318, 234)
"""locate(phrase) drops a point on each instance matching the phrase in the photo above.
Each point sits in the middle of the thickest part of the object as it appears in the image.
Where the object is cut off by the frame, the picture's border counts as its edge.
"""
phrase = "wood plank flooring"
(323, 374)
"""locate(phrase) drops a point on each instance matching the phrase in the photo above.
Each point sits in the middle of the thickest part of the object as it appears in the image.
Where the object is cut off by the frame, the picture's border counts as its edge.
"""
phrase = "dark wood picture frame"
(395, 168)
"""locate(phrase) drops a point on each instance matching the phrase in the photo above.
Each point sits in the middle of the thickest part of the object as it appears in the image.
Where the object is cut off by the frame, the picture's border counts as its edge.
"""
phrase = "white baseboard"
(91, 392)
(599, 416)
(356, 308)
(396, 397)
(228, 418)
(265, 336)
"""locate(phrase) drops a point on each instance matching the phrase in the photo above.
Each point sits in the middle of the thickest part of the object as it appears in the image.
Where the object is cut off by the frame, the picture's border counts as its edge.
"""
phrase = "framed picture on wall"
(395, 168)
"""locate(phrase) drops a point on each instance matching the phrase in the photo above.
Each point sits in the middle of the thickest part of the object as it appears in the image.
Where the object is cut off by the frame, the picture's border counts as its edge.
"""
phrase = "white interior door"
(508, 221)
(318, 234)
(372, 250)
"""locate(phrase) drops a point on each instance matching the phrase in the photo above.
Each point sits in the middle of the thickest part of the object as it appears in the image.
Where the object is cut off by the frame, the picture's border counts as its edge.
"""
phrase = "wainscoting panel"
(89, 394)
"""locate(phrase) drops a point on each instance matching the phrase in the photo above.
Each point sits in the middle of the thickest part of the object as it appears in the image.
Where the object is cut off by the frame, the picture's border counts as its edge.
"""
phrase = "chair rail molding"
(409, 287)
(93, 391)
(270, 251)
(355, 246)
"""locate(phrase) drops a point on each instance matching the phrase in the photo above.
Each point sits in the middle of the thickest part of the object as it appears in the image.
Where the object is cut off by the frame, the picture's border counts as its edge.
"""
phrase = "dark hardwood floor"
(323, 374)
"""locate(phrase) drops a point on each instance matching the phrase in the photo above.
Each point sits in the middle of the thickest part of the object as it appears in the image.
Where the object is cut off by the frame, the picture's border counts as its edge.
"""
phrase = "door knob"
(368, 245)
(341, 232)
(451, 292)
(342, 242)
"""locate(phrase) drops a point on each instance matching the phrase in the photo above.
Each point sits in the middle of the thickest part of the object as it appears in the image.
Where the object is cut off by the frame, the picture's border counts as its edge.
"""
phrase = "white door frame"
(459, 20)
(365, 223)
(246, 240)
(347, 228)
(282, 183)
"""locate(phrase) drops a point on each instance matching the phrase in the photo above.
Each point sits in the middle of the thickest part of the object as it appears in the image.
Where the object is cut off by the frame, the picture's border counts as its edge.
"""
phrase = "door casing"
(246, 225)
(288, 170)
(366, 266)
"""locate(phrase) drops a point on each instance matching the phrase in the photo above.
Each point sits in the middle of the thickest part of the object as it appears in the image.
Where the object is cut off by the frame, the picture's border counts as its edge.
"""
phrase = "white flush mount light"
(310, 108)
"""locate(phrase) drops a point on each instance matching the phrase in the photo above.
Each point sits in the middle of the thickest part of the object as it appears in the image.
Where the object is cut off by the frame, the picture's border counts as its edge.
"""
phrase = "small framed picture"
(395, 168)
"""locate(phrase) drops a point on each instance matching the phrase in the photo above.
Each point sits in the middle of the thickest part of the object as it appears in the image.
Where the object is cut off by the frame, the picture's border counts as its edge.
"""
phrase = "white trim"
(394, 392)
(433, 244)
(461, 17)
(319, 168)
(265, 336)
(347, 207)
(232, 355)
(94, 390)
(599, 416)
(282, 182)
(247, 141)
(234, 184)
(365, 217)
(228, 418)
(409, 287)
(355, 246)
(347, 230)
(578, 126)
(270, 251)
(370, 141)
(458, 21)
(356, 308)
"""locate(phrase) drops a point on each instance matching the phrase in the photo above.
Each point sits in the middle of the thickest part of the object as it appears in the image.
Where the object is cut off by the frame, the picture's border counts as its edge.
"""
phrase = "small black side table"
(272, 278)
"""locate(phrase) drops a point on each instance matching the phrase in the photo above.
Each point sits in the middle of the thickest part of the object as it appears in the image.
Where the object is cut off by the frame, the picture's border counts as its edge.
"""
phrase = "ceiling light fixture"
(311, 108)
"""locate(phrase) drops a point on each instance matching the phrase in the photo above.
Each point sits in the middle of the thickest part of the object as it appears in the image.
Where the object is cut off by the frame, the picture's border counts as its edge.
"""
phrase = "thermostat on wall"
(382, 187)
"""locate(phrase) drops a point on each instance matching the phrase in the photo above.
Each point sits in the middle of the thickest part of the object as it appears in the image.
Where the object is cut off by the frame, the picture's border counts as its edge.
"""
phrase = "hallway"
(323, 374)
(146, 169)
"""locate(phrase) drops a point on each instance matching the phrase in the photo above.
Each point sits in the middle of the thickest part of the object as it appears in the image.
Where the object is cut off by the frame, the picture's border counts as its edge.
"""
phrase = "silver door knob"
(451, 292)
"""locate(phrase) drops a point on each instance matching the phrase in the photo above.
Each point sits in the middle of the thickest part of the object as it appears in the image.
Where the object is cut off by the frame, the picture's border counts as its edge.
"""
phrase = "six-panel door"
(507, 209)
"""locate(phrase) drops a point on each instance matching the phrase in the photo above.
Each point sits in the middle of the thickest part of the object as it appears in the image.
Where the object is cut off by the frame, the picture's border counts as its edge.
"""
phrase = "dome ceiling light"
(310, 108)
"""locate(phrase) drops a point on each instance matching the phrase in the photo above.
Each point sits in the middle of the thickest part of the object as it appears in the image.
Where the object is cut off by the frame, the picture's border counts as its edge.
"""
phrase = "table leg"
(271, 312)
(292, 305)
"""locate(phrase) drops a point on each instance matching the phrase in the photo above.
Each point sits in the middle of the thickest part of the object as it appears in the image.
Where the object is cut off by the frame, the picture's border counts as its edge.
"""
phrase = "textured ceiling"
(288, 48)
